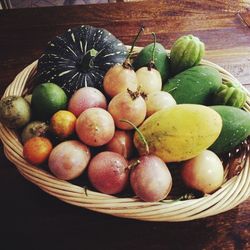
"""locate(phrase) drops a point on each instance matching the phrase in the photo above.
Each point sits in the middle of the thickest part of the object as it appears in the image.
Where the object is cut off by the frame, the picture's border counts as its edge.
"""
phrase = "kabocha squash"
(186, 52)
(195, 85)
(80, 57)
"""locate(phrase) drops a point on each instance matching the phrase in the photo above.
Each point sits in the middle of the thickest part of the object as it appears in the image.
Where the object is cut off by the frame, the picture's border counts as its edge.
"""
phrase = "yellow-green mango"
(180, 132)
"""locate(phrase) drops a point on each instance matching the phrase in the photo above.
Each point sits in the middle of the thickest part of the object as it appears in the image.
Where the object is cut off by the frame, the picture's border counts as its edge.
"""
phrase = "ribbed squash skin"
(231, 96)
(80, 57)
(186, 52)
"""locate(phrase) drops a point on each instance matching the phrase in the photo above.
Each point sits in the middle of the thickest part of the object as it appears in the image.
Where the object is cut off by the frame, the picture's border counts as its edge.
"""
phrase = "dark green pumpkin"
(80, 57)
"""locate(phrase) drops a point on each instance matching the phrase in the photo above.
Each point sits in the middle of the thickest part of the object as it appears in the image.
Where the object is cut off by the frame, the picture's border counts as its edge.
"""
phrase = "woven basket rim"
(232, 192)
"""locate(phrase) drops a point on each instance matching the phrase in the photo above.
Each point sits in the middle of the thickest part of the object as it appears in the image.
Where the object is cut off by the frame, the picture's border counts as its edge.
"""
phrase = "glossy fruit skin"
(151, 179)
(162, 61)
(121, 143)
(180, 132)
(157, 101)
(196, 85)
(69, 159)
(235, 129)
(149, 80)
(204, 172)
(80, 58)
(62, 123)
(122, 106)
(34, 129)
(186, 52)
(118, 79)
(15, 112)
(47, 99)
(85, 98)
(95, 127)
(108, 172)
(36, 150)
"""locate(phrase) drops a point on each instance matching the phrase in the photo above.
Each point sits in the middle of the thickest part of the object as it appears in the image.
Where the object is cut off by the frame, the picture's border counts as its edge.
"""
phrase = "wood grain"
(31, 218)
(224, 29)
(245, 17)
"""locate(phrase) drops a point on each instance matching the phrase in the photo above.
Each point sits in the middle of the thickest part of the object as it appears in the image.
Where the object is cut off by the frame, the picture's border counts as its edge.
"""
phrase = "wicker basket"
(234, 190)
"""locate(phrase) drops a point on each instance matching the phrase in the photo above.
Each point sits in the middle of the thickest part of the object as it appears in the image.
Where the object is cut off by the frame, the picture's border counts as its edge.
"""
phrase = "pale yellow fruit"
(180, 132)
(118, 79)
(159, 100)
(204, 172)
(149, 80)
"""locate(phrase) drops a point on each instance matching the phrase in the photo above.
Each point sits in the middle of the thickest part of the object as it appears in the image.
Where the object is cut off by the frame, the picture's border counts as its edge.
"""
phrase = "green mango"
(162, 61)
(235, 128)
(195, 85)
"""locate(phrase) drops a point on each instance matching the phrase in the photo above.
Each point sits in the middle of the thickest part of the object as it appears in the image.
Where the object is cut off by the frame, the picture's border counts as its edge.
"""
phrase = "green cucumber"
(235, 128)
(195, 85)
(161, 59)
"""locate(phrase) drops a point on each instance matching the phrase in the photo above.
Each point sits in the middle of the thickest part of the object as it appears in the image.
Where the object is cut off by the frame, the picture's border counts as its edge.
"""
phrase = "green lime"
(47, 98)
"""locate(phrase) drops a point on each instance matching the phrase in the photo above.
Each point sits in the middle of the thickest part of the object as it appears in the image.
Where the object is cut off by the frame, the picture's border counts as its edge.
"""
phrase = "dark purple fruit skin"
(15, 112)
(108, 172)
(151, 179)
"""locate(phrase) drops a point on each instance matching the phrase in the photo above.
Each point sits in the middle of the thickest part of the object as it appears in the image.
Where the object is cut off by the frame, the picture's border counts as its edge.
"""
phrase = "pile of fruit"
(124, 120)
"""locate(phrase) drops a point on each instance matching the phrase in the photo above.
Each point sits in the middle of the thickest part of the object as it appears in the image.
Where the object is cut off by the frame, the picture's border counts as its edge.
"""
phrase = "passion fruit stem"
(85, 190)
(152, 62)
(188, 196)
(137, 93)
(127, 63)
(141, 136)
(133, 94)
(134, 164)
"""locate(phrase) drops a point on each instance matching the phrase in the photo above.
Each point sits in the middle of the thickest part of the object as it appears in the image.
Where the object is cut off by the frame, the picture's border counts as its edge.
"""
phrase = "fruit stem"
(133, 94)
(153, 50)
(134, 164)
(127, 63)
(85, 190)
(137, 93)
(152, 62)
(141, 136)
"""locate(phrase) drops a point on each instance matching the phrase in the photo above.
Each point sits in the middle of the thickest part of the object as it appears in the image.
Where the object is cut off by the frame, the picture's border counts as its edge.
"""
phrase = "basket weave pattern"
(233, 191)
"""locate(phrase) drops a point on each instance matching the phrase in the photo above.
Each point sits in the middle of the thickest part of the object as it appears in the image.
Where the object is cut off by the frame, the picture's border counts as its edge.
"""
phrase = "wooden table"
(30, 218)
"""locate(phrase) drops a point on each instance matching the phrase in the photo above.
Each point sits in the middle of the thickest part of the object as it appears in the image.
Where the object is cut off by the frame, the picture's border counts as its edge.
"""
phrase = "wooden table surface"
(30, 218)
